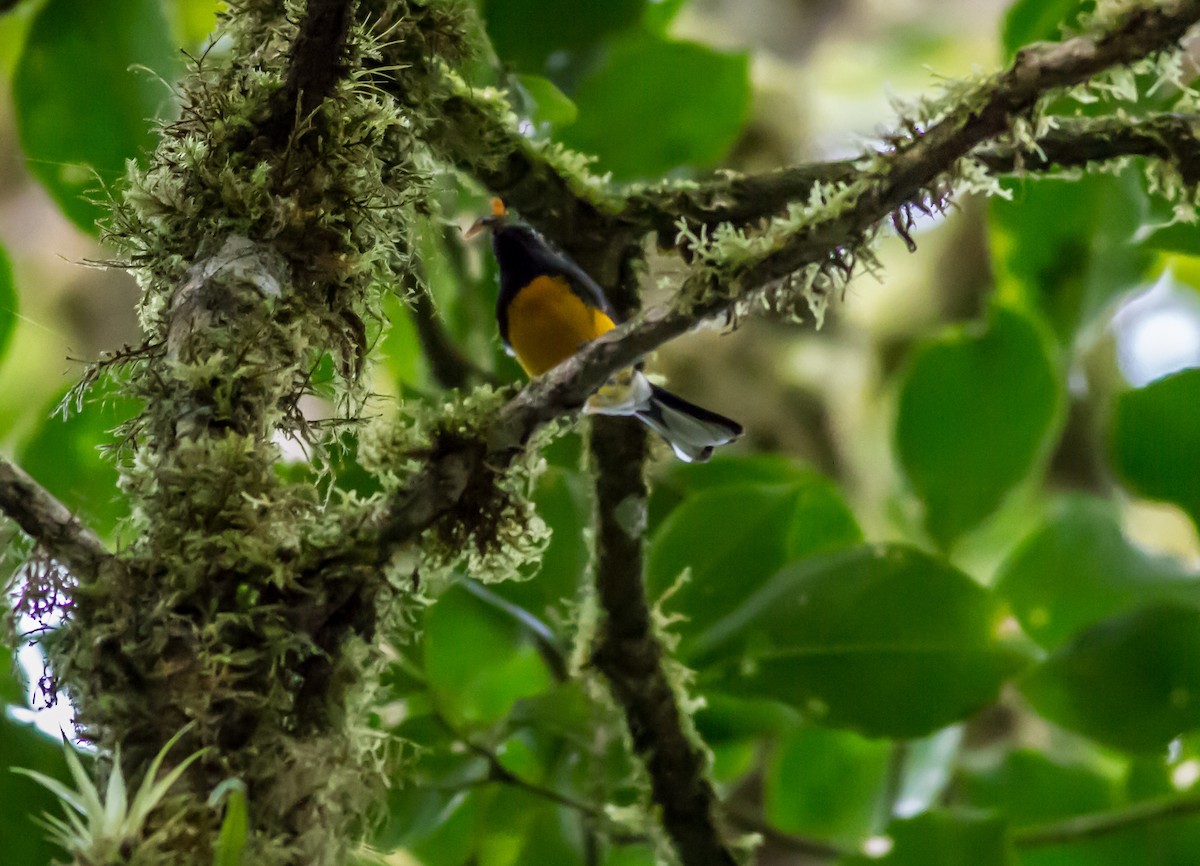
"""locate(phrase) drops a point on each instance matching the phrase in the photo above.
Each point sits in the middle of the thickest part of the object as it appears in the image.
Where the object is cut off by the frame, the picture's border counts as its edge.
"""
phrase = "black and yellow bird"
(549, 307)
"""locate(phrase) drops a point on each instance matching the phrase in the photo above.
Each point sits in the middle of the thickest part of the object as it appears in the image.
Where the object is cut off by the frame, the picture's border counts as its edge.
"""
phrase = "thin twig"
(1083, 827)
(51, 524)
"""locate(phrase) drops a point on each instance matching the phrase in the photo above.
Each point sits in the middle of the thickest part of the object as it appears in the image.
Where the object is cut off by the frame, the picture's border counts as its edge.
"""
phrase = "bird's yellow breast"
(547, 323)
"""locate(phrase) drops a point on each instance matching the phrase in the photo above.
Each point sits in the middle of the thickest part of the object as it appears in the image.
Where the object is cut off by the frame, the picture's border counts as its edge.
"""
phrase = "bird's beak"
(478, 226)
(499, 212)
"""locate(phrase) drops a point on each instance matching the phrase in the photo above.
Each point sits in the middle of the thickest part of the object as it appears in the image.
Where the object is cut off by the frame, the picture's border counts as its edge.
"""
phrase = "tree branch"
(630, 656)
(317, 64)
(51, 524)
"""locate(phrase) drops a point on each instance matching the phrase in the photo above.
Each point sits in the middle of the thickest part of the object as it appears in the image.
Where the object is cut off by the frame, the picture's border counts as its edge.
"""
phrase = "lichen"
(494, 531)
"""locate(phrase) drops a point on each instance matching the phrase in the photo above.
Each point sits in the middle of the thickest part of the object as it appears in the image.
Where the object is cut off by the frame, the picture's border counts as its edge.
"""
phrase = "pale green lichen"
(494, 532)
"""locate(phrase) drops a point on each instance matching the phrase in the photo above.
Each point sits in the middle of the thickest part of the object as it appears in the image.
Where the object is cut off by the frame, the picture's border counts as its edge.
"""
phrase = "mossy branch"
(51, 524)
(745, 199)
(317, 64)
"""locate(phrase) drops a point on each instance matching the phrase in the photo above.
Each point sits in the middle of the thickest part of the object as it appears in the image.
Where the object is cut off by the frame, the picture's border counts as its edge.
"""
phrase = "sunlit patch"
(878, 846)
(1158, 332)
(1185, 775)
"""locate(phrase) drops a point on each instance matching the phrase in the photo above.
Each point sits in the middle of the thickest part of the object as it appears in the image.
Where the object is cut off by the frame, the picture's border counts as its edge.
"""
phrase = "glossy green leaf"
(928, 767)
(733, 537)
(977, 409)
(1132, 682)
(81, 110)
(1156, 440)
(826, 784)
(1066, 247)
(1037, 21)
(22, 800)
(882, 639)
(550, 105)
(438, 827)
(478, 660)
(1079, 569)
(943, 838)
(725, 718)
(8, 303)
(656, 106)
(65, 456)
(542, 36)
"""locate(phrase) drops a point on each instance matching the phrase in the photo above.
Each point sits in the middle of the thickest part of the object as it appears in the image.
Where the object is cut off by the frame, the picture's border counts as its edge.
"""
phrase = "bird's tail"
(692, 431)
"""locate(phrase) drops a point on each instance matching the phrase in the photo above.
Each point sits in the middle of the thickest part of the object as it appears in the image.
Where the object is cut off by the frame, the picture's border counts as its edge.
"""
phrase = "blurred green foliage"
(81, 114)
(930, 651)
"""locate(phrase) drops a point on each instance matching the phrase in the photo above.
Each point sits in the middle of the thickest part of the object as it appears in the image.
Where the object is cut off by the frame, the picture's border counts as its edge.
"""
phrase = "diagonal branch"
(51, 524)
(744, 200)
(898, 179)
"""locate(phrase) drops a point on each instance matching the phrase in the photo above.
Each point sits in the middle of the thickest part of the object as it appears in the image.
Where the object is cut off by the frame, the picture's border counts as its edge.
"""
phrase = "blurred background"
(1105, 289)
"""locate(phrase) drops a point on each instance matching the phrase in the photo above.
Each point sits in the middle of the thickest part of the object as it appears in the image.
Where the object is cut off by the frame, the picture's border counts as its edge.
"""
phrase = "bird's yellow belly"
(547, 323)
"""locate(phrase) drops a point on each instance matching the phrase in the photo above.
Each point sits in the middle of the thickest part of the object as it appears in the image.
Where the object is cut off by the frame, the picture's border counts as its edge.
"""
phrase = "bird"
(549, 307)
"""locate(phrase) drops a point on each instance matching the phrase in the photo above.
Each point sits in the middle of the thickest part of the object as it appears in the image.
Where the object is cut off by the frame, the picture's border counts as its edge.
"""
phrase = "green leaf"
(660, 14)
(882, 639)
(11, 689)
(562, 501)
(1079, 569)
(400, 347)
(23, 800)
(1156, 440)
(727, 718)
(826, 784)
(943, 838)
(81, 110)
(235, 826)
(526, 33)
(1037, 21)
(656, 106)
(8, 303)
(977, 409)
(65, 457)
(437, 827)
(478, 660)
(734, 537)
(1178, 238)
(1033, 788)
(550, 105)
(192, 21)
(1132, 682)
(1066, 247)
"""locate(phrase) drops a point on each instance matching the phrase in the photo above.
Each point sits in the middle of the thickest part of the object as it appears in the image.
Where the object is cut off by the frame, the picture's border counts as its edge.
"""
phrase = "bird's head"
(497, 219)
